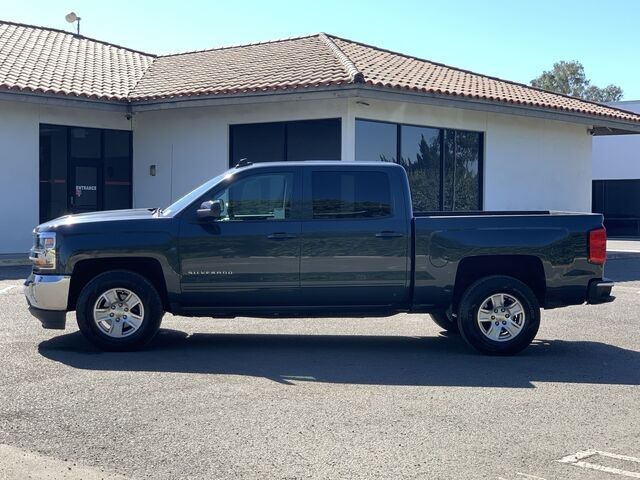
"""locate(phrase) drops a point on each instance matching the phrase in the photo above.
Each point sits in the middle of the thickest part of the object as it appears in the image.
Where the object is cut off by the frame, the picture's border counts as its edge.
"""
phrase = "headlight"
(43, 253)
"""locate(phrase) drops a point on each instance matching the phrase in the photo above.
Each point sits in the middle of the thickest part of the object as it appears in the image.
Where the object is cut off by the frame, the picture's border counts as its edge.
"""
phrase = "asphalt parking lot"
(334, 399)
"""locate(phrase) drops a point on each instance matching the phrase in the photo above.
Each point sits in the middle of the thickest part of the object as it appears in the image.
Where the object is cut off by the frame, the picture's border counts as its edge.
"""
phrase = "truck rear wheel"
(446, 322)
(119, 310)
(499, 315)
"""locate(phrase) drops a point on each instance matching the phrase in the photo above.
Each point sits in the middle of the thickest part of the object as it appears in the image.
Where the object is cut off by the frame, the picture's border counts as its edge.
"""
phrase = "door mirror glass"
(211, 209)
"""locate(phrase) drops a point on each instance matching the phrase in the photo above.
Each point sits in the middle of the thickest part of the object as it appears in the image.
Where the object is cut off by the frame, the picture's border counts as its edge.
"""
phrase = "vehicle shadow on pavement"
(367, 360)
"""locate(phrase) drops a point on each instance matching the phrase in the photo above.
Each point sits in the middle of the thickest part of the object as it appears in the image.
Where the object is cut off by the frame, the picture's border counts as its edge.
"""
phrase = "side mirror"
(211, 209)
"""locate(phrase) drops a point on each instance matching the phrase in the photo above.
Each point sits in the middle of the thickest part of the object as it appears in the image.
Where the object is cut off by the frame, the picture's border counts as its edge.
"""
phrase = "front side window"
(350, 195)
(258, 197)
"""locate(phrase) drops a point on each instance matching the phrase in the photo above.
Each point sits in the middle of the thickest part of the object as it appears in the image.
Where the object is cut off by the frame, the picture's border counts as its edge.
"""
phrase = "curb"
(14, 261)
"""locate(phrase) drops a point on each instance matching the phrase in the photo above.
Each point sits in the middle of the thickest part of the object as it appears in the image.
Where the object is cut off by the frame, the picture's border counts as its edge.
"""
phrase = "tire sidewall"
(119, 279)
(471, 302)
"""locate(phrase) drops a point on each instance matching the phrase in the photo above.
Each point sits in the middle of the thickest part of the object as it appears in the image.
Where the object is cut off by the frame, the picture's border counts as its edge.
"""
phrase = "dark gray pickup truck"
(314, 239)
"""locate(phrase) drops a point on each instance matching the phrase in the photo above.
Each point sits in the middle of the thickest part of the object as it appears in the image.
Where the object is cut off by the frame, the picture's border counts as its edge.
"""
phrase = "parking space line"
(526, 475)
(577, 460)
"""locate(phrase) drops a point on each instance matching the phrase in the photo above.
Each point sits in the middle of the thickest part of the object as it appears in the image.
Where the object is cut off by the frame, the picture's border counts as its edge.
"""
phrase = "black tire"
(146, 292)
(471, 302)
(445, 322)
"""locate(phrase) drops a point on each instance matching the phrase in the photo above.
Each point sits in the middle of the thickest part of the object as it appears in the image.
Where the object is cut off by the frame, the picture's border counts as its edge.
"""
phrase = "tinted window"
(461, 170)
(619, 202)
(314, 140)
(350, 195)
(258, 142)
(258, 197)
(443, 165)
(117, 169)
(286, 141)
(420, 156)
(376, 141)
(53, 172)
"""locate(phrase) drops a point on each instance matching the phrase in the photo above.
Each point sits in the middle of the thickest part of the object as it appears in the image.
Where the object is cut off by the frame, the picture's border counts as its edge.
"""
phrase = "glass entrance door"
(86, 188)
(83, 170)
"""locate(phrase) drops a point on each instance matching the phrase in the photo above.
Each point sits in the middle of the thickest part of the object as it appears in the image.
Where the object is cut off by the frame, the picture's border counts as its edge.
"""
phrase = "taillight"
(598, 246)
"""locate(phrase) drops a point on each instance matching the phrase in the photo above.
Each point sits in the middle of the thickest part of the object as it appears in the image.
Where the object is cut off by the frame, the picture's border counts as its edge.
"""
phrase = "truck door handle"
(281, 236)
(389, 234)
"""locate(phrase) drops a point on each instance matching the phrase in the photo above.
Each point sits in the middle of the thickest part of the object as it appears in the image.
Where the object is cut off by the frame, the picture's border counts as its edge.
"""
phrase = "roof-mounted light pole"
(72, 17)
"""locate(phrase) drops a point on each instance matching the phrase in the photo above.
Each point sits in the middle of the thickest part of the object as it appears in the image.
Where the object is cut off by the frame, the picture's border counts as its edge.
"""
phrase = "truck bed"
(553, 243)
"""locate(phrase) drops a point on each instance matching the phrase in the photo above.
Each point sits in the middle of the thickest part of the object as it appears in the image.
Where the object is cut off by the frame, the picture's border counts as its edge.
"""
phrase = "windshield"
(192, 196)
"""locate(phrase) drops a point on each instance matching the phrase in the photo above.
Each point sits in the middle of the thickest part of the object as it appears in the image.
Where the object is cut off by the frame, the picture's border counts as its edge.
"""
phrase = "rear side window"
(350, 194)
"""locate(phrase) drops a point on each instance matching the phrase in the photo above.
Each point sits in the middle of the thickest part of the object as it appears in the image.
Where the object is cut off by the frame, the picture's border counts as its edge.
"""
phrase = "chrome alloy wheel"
(501, 317)
(118, 312)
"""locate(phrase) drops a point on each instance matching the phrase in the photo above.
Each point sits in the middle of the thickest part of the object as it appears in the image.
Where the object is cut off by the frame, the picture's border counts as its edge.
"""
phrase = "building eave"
(597, 125)
(53, 100)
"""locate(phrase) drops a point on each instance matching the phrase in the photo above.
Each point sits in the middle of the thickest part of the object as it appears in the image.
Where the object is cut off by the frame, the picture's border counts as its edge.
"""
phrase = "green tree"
(569, 78)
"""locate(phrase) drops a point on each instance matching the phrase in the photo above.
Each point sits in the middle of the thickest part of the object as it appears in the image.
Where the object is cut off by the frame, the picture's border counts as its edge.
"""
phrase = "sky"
(515, 40)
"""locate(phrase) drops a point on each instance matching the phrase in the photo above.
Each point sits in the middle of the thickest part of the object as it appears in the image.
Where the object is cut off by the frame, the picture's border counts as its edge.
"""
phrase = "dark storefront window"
(619, 202)
(83, 170)
(443, 165)
(286, 141)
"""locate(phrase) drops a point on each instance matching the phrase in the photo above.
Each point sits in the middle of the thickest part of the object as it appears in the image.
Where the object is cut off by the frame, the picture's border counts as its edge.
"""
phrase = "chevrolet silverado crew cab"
(314, 239)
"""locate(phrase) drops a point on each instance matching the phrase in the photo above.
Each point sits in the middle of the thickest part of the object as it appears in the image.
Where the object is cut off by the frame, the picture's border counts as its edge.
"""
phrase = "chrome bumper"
(47, 296)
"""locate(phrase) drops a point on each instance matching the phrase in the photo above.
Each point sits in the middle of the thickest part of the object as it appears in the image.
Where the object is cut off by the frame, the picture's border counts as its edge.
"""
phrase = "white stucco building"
(86, 125)
(616, 179)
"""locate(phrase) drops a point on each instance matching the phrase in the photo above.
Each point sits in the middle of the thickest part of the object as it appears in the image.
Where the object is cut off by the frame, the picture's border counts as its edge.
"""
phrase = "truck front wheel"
(119, 310)
(499, 315)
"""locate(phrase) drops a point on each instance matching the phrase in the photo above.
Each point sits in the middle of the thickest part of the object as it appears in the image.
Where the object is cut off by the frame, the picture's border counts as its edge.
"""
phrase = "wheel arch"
(526, 268)
(85, 270)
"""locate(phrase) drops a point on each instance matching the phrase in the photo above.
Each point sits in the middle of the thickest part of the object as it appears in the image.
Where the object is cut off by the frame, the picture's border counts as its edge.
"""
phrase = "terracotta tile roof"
(53, 61)
(297, 63)
(44, 60)
(382, 68)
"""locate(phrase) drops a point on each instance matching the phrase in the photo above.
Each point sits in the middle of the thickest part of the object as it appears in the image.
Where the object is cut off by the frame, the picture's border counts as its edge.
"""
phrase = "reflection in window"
(376, 141)
(350, 195)
(461, 180)
(443, 166)
(259, 197)
(420, 156)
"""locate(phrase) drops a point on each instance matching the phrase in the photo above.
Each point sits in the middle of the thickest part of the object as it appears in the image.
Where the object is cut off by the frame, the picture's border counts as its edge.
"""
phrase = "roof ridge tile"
(76, 36)
(240, 45)
(356, 75)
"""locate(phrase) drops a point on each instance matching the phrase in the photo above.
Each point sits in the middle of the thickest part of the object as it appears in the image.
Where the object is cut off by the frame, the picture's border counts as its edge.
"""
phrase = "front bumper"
(599, 291)
(47, 296)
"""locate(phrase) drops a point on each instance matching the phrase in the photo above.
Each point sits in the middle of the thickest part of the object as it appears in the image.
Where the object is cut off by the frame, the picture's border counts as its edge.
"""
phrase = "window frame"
(307, 199)
(442, 130)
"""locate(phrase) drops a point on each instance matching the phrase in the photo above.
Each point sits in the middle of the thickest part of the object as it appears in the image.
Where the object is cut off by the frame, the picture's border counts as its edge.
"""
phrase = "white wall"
(617, 157)
(191, 145)
(530, 163)
(19, 163)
